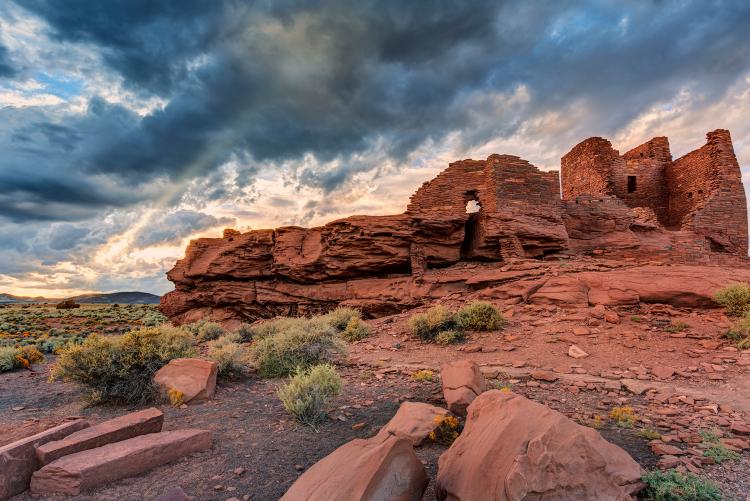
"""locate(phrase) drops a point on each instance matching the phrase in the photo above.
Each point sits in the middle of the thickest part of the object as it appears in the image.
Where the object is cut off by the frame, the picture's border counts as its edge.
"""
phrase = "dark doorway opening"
(631, 184)
(471, 229)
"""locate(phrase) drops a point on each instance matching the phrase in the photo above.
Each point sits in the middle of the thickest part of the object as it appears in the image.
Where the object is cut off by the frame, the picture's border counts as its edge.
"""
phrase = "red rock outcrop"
(641, 206)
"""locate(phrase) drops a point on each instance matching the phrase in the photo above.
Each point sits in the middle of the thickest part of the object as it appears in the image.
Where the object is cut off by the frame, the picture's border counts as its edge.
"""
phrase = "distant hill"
(108, 298)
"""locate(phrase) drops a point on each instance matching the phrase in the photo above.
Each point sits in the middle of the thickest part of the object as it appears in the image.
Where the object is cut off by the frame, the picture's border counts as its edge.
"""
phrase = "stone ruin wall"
(695, 197)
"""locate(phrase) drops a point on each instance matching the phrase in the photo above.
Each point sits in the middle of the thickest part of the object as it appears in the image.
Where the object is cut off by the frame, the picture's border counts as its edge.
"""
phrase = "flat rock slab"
(193, 378)
(18, 459)
(114, 430)
(413, 421)
(86, 470)
(371, 469)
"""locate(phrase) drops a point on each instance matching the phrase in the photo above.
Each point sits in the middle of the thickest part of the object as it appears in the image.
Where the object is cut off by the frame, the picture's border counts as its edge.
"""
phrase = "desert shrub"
(649, 434)
(719, 453)
(623, 417)
(120, 368)
(301, 343)
(423, 375)
(8, 360)
(740, 333)
(677, 327)
(273, 327)
(231, 356)
(428, 324)
(310, 393)
(671, 485)
(210, 331)
(340, 318)
(449, 337)
(446, 430)
(735, 298)
(479, 316)
(245, 333)
(356, 330)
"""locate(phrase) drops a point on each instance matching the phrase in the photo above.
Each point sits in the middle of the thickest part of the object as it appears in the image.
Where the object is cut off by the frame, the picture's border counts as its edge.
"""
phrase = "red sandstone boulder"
(189, 379)
(86, 470)
(18, 459)
(462, 382)
(512, 448)
(413, 421)
(364, 470)
(117, 429)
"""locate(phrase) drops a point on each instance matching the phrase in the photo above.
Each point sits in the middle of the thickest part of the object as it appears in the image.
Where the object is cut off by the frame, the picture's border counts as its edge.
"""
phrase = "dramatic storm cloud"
(129, 127)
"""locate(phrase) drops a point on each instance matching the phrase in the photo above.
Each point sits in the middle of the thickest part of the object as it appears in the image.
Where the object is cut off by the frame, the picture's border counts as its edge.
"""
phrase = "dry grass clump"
(120, 368)
(356, 330)
(230, 355)
(740, 333)
(479, 316)
(624, 417)
(735, 298)
(293, 343)
(449, 337)
(310, 393)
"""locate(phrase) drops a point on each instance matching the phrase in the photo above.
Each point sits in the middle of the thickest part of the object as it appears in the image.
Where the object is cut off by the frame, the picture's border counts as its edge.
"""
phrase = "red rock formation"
(640, 206)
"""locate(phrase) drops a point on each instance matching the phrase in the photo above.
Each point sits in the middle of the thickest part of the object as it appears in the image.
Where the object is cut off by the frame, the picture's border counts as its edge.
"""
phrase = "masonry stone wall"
(586, 169)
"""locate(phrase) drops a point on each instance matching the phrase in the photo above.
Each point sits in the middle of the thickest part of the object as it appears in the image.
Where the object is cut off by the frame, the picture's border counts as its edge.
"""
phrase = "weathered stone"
(413, 421)
(514, 448)
(174, 494)
(114, 430)
(18, 459)
(86, 470)
(576, 352)
(662, 372)
(371, 469)
(193, 379)
(544, 376)
(462, 382)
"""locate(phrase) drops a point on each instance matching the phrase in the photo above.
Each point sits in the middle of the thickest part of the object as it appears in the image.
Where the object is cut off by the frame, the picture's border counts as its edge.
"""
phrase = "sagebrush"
(294, 343)
(310, 393)
(735, 298)
(479, 316)
(120, 368)
(428, 324)
(231, 356)
(671, 485)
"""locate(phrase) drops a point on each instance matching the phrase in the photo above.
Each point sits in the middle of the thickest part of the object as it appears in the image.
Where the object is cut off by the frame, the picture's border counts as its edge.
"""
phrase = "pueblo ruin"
(637, 227)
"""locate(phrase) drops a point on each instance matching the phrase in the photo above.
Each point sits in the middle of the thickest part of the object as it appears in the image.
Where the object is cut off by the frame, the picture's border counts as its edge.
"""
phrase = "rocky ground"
(683, 381)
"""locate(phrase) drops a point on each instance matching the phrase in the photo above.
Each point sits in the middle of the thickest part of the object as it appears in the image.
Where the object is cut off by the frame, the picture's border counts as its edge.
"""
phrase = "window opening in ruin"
(472, 206)
(700, 192)
(631, 184)
(690, 194)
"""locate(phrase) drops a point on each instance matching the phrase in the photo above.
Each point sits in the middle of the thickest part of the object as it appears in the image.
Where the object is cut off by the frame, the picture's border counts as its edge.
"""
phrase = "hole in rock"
(631, 184)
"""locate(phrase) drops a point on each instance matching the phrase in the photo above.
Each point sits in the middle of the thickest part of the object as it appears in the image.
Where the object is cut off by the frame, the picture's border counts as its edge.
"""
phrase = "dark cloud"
(6, 68)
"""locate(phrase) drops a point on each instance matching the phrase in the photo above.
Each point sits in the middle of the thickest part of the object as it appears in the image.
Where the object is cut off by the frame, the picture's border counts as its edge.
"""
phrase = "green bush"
(449, 337)
(8, 360)
(479, 316)
(735, 298)
(210, 331)
(12, 358)
(428, 324)
(671, 485)
(740, 333)
(231, 356)
(310, 393)
(245, 332)
(719, 453)
(356, 330)
(120, 368)
(341, 317)
(293, 344)
(273, 327)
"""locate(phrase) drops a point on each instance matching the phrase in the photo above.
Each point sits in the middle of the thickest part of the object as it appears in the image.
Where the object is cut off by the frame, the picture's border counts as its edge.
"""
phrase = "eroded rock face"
(189, 379)
(374, 469)
(641, 205)
(512, 448)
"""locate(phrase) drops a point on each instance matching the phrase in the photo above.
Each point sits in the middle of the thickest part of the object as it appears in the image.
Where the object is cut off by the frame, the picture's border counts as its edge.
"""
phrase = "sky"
(129, 127)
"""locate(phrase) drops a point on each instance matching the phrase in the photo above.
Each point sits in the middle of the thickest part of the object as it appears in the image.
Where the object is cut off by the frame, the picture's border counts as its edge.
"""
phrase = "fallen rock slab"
(462, 382)
(18, 459)
(513, 448)
(189, 379)
(86, 470)
(413, 421)
(371, 469)
(114, 430)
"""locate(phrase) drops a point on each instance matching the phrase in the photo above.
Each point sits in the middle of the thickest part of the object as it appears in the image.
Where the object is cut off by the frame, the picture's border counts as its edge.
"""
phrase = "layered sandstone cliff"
(479, 218)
